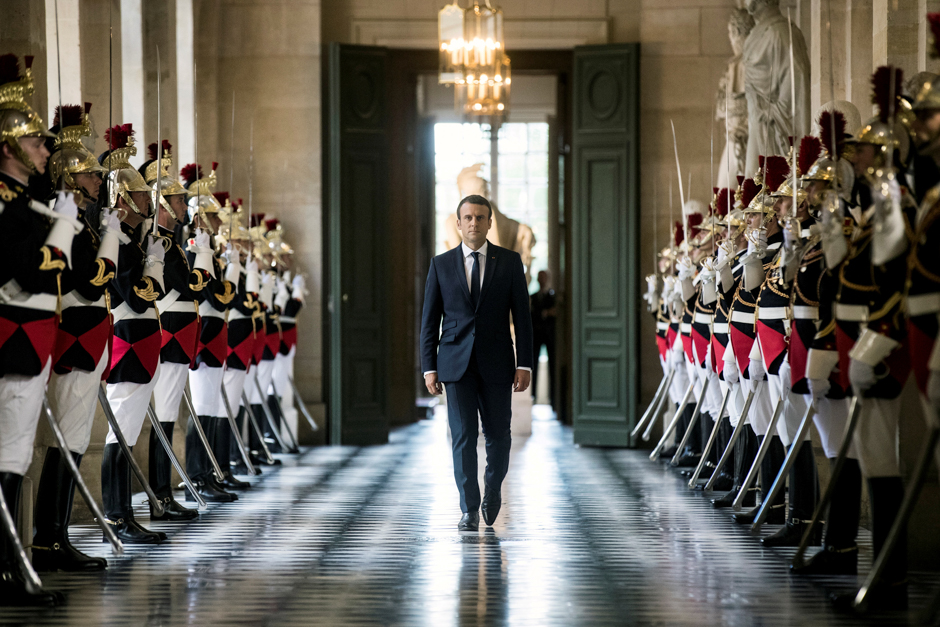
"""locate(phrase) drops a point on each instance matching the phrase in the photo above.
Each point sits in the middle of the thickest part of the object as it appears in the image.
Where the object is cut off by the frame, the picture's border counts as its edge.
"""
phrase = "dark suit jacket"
(485, 330)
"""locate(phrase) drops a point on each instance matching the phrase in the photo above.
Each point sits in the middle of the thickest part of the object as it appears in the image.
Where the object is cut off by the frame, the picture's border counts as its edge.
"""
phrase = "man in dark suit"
(474, 288)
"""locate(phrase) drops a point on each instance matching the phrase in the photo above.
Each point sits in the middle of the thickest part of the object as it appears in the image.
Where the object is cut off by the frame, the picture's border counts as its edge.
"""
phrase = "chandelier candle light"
(473, 58)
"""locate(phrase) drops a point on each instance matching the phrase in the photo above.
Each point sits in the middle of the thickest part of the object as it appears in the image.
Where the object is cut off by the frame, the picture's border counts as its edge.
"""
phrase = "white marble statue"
(766, 59)
(731, 103)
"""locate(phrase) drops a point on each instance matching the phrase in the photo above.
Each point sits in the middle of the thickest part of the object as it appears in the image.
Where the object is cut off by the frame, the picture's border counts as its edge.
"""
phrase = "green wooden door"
(604, 222)
(356, 214)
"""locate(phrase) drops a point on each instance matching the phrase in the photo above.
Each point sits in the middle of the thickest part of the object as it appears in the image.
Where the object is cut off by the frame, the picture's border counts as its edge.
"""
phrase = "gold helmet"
(232, 220)
(69, 154)
(887, 131)
(772, 173)
(275, 238)
(17, 118)
(200, 189)
(122, 177)
(830, 167)
(810, 147)
(164, 184)
(928, 95)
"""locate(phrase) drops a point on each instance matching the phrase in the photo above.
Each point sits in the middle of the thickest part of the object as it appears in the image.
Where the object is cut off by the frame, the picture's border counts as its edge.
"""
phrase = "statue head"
(470, 183)
(739, 27)
(758, 8)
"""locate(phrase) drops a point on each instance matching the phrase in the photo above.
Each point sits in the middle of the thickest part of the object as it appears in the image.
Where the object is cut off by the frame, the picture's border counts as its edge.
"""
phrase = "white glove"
(153, 264)
(862, 376)
(723, 256)
(818, 388)
(757, 242)
(65, 226)
(252, 280)
(786, 376)
(707, 277)
(730, 372)
(201, 245)
(299, 287)
(109, 221)
(283, 294)
(233, 268)
(933, 388)
(677, 358)
(686, 269)
(755, 370)
(111, 236)
(267, 289)
(65, 205)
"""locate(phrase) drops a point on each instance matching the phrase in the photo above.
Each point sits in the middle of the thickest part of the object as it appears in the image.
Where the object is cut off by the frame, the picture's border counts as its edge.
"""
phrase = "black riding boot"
(13, 590)
(804, 494)
(197, 465)
(116, 497)
(840, 552)
(267, 428)
(52, 550)
(745, 449)
(161, 482)
(770, 466)
(238, 464)
(222, 449)
(679, 431)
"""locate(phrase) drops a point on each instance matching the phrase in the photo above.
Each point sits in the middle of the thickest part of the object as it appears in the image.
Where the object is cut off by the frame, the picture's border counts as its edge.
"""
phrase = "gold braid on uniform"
(890, 304)
(226, 297)
(48, 263)
(855, 286)
(827, 330)
(102, 276)
(148, 293)
(200, 281)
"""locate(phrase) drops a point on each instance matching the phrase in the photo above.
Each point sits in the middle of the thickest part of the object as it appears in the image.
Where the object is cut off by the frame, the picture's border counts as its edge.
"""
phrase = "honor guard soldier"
(673, 306)
(33, 257)
(257, 245)
(81, 354)
(179, 320)
(206, 374)
(764, 239)
(289, 300)
(813, 354)
(870, 322)
(137, 337)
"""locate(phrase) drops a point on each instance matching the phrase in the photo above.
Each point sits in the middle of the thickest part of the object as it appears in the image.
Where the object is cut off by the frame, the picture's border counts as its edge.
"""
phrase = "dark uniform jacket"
(179, 314)
(214, 299)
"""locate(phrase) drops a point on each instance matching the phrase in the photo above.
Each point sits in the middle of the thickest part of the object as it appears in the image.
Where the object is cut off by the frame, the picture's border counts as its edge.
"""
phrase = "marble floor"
(366, 536)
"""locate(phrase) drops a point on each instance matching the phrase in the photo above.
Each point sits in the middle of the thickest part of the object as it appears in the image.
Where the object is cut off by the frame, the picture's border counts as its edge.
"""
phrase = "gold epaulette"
(148, 293)
(48, 263)
(226, 297)
(102, 276)
(200, 281)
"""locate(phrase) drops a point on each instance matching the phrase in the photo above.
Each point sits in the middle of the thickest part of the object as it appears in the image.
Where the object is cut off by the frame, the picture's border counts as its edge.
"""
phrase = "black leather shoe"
(469, 522)
(209, 494)
(830, 561)
(791, 534)
(492, 501)
(777, 516)
(669, 453)
(174, 512)
(63, 556)
(214, 483)
(231, 483)
(13, 592)
(884, 597)
(723, 483)
(728, 499)
(688, 460)
(129, 532)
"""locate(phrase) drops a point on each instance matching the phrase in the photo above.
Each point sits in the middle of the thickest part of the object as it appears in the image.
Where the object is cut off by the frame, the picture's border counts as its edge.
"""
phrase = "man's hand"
(434, 386)
(521, 382)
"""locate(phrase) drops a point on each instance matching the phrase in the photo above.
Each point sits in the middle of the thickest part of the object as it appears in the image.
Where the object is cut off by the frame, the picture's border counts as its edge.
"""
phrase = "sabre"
(711, 441)
(302, 405)
(217, 470)
(911, 495)
(675, 146)
(280, 408)
(656, 413)
(267, 415)
(231, 172)
(663, 387)
(254, 423)
(850, 426)
(236, 433)
(116, 546)
(33, 583)
(692, 423)
(734, 438)
(155, 423)
(788, 462)
(155, 502)
(672, 424)
(156, 188)
(761, 453)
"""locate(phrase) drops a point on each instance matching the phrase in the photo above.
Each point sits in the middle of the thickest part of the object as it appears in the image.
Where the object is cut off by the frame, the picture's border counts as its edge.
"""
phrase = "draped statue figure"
(766, 58)
(506, 232)
(731, 102)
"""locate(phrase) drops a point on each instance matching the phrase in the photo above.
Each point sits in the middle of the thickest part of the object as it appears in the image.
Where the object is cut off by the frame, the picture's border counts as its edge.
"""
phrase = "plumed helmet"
(69, 154)
(122, 178)
(17, 118)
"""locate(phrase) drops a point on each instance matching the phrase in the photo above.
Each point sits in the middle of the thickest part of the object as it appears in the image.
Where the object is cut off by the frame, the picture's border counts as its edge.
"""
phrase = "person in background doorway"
(542, 306)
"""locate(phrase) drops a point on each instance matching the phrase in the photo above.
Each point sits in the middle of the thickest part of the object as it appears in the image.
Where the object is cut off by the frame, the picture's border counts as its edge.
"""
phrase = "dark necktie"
(475, 280)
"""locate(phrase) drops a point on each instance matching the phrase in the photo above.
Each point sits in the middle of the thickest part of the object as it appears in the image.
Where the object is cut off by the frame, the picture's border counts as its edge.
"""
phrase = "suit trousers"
(468, 398)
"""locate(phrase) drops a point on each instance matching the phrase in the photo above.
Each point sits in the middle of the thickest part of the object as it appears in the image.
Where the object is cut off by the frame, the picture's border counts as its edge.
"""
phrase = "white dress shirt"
(468, 267)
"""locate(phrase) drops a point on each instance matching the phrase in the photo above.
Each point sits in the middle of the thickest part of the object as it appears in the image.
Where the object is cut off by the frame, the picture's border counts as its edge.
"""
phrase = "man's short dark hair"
(475, 199)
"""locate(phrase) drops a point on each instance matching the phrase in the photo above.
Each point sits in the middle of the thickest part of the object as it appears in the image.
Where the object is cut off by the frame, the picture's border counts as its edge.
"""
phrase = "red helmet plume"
(883, 91)
(810, 147)
(777, 172)
(749, 190)
(118, 135)
(191, 173)
(68, 115)
(826, 121)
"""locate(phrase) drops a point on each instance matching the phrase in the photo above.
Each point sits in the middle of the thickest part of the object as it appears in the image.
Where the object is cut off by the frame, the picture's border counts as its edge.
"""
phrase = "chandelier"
(473, 58)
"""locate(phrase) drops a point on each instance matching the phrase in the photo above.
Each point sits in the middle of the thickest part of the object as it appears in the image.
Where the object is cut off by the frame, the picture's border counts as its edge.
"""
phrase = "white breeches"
(168, 391)
(234, 381)
(264, 372)
(762, 407)
(876, 437)
(73, 398)
(831, 418)
(20, 404)
(204, 384)
(129, 402)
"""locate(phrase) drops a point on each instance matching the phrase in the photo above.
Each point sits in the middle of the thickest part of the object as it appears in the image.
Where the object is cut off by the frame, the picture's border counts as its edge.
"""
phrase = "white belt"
(774, 246)
(291, 320)
(234, 314)
(742, 317)
(850, 313)
(804, 312)
(662, 326)
(207, 310)
(703, 318)
(772, 313)
(124, 312)
(181, 306)
(721, 327)
(685, 327)
(13, 295)
(74, 299)
(166, 303)
(923, 304)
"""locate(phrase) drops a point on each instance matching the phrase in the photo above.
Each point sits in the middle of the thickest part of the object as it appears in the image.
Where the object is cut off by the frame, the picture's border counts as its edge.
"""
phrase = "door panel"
(604, 222)
(357, 196)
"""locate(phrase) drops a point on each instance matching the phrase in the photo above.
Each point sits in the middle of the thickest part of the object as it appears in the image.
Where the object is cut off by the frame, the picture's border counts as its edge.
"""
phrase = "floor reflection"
(349, 536)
